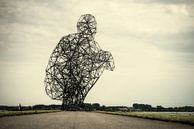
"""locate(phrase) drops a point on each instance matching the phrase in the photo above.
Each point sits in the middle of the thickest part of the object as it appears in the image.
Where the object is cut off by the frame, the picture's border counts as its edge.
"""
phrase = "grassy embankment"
(16, 113)
(186, 118)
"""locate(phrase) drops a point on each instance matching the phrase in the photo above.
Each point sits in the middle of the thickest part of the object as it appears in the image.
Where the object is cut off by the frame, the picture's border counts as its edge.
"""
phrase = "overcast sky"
(152, 43)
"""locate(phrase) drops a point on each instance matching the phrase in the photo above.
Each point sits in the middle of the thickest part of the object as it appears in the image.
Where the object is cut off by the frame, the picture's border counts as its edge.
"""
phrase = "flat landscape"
(84, 120)
(181, 117)
(17, 113)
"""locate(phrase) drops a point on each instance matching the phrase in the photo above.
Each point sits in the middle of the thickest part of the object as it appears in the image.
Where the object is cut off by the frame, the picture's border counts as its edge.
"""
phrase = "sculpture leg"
(63, 105)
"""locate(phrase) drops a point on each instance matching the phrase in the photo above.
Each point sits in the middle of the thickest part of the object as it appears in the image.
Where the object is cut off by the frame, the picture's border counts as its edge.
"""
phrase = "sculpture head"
(87, 25)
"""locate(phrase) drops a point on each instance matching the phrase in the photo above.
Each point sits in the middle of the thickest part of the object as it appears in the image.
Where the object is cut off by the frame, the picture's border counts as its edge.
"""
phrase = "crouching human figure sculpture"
(76, 64)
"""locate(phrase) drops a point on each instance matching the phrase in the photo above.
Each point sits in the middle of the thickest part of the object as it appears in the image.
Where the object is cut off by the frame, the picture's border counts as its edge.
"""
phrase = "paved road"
(84, 120)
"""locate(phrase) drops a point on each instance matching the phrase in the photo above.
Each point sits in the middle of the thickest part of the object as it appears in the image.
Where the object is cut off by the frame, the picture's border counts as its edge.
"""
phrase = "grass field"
(15, 113)
(181, 117)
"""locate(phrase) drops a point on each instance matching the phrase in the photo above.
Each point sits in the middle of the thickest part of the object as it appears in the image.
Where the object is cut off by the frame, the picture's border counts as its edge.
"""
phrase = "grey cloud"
(24, 20)
(181, 45)
(166, 1)
(27, 12)
(178, 42)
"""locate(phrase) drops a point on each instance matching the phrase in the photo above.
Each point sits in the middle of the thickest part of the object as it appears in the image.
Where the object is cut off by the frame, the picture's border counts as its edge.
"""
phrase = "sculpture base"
(76, 107)
(71, 107)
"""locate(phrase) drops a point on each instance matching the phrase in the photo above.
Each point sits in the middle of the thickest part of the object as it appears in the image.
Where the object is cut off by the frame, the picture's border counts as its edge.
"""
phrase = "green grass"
(16, 113)
(186, 118)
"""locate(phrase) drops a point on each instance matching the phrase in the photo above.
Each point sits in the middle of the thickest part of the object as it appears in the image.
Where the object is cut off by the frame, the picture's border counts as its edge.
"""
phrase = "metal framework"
(76, 64)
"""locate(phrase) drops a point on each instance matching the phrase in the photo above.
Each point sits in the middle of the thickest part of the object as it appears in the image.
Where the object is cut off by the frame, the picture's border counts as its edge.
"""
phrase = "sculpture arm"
(106, 59)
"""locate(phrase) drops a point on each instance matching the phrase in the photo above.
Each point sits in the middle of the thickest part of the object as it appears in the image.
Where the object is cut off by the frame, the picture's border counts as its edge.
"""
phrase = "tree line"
(98, 107)
(159, 108)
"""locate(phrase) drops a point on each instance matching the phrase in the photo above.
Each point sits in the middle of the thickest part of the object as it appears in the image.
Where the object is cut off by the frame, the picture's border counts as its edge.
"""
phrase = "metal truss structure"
(76, 64)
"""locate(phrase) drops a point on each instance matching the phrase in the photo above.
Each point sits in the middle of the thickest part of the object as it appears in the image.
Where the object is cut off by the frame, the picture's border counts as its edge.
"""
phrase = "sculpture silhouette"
(76, 64)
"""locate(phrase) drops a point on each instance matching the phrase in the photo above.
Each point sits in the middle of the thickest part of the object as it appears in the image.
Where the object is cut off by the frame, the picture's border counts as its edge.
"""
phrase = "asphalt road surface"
(84, 120)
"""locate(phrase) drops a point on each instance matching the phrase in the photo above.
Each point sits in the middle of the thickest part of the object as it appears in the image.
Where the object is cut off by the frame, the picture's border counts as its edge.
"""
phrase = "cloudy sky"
(152, 42)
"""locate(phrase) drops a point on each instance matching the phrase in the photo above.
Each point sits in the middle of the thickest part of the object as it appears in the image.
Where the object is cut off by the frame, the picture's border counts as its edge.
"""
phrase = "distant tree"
(143, 107)
(160, 108)
(96, 106)
(20, 107)
(135, 106)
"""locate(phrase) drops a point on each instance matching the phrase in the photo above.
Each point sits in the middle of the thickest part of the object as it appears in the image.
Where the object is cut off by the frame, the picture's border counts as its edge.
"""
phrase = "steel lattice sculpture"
(76, 64)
